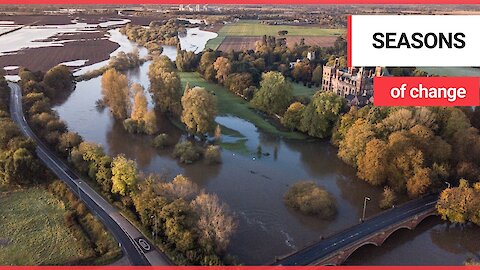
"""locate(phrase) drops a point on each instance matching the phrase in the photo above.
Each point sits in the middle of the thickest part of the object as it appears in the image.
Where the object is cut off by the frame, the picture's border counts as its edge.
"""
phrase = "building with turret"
(354, 84)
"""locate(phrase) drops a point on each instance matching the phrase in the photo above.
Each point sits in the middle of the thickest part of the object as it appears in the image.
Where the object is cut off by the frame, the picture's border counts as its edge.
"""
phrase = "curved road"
(138, 250)
(312, 254)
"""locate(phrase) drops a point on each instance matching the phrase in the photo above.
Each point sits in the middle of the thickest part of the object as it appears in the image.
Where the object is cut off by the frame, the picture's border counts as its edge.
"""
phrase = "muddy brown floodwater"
(253, 187)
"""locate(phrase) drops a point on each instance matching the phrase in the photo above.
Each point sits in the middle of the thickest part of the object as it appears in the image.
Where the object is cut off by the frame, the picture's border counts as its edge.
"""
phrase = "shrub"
(212, 154)
(132, 126)
(187, 152)
(388, 198)
(161, 141)
(310, 199)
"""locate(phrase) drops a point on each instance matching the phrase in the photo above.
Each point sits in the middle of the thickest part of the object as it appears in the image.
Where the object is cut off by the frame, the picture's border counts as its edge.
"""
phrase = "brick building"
(354, 84)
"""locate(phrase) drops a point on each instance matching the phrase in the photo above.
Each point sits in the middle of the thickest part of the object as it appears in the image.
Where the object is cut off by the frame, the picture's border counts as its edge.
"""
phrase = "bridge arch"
(387, 235)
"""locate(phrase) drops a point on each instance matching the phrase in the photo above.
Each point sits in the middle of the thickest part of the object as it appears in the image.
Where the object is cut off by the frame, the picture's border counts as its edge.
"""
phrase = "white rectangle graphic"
(415, 40)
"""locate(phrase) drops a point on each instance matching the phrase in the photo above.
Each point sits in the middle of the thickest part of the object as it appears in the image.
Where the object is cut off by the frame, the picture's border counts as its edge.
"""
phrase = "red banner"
(426, 91)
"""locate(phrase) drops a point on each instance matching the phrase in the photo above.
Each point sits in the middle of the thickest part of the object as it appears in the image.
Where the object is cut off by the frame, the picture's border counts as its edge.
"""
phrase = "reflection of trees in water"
(61, 97)
(354, 190)
(139, 148)
(200, 172)
(134, 73)
(134, 146)
(457, 239)
(319, 158)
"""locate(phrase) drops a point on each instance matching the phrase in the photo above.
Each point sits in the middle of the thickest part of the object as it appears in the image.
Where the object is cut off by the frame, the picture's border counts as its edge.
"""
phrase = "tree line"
(21, 168)
(154, 36)
(195, 227)
(195, 107)
(241, 71)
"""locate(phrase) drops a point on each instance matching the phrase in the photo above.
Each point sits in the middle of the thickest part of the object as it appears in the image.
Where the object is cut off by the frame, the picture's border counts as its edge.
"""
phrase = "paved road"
(336, 242)
(137, 249)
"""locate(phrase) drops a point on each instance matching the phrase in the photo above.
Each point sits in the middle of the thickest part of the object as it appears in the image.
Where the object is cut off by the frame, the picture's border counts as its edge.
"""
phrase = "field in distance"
(243, 34)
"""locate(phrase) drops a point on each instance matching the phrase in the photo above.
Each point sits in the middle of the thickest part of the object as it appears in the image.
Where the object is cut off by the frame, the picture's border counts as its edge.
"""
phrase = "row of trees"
(460, 204)
(20, 167)
(410, 149)
(121, 62)
(54, 83)
(195, 226)
(18, 162)
(241, 71)
(154, 36)
(117, 95)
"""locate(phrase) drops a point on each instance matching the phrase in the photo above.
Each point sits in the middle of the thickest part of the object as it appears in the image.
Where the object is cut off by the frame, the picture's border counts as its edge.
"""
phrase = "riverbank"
(230, 104)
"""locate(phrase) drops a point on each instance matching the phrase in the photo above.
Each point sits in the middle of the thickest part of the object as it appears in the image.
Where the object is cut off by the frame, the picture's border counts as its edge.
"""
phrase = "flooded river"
(253, 187)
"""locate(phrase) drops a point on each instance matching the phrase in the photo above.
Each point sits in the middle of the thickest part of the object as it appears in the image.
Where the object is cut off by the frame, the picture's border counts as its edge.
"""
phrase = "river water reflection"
(253, 187)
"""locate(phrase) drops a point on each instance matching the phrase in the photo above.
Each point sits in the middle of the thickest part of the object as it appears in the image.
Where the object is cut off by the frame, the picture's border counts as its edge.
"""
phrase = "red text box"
(426, 91)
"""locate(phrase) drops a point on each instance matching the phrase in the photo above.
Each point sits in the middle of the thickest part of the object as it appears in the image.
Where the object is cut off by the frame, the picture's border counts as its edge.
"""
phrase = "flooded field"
(253, 185)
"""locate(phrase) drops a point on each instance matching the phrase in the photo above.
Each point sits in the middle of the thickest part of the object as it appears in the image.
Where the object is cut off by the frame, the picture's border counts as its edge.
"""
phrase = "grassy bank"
(33, 231)
(301, 90)
(230, 104)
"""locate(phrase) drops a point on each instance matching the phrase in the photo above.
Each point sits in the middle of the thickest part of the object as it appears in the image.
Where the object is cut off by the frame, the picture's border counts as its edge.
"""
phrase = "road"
(345, 238)
(134, 245)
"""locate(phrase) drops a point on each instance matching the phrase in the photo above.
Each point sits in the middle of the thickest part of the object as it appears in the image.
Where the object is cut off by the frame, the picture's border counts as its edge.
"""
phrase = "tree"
(274, 95)
(310, 199)
(355, 141)
(116, 93)
(419, 183)
(124, 175)
(388, 198)
(213, 155)
(199, 110)
(140, 103)
(178, 222)
(293, 116)
(58, 79)
(317, 75)
(68, 141)
(214, 222)
(19, 166)
(223, 67)
(150, 120)
(321, 114)
(206, 61)
(372, 166)
(186, 61)
(165, 85)
(238, 82)
(453, 203)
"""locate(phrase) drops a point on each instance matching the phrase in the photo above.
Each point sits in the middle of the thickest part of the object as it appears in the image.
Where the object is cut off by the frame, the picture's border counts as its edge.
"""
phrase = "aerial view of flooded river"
(253, 186)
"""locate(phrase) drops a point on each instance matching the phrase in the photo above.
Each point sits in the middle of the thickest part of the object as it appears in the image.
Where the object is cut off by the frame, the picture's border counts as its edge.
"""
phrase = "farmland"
(254, 29)
(33, 232)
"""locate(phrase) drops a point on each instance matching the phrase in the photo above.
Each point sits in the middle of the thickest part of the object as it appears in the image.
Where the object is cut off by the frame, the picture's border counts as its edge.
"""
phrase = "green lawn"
(452, 71)
(301, 90)
(255, 28)
(230, 104)
(33, 232)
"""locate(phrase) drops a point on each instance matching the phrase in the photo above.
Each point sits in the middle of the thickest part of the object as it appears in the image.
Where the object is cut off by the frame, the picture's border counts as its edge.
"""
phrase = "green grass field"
(230, 104)
(452, 71)
(33, 232)
(255, 28)
(301, 90)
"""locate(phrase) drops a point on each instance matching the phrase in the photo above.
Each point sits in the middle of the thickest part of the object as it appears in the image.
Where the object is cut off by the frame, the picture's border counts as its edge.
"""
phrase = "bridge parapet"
(376, 239)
